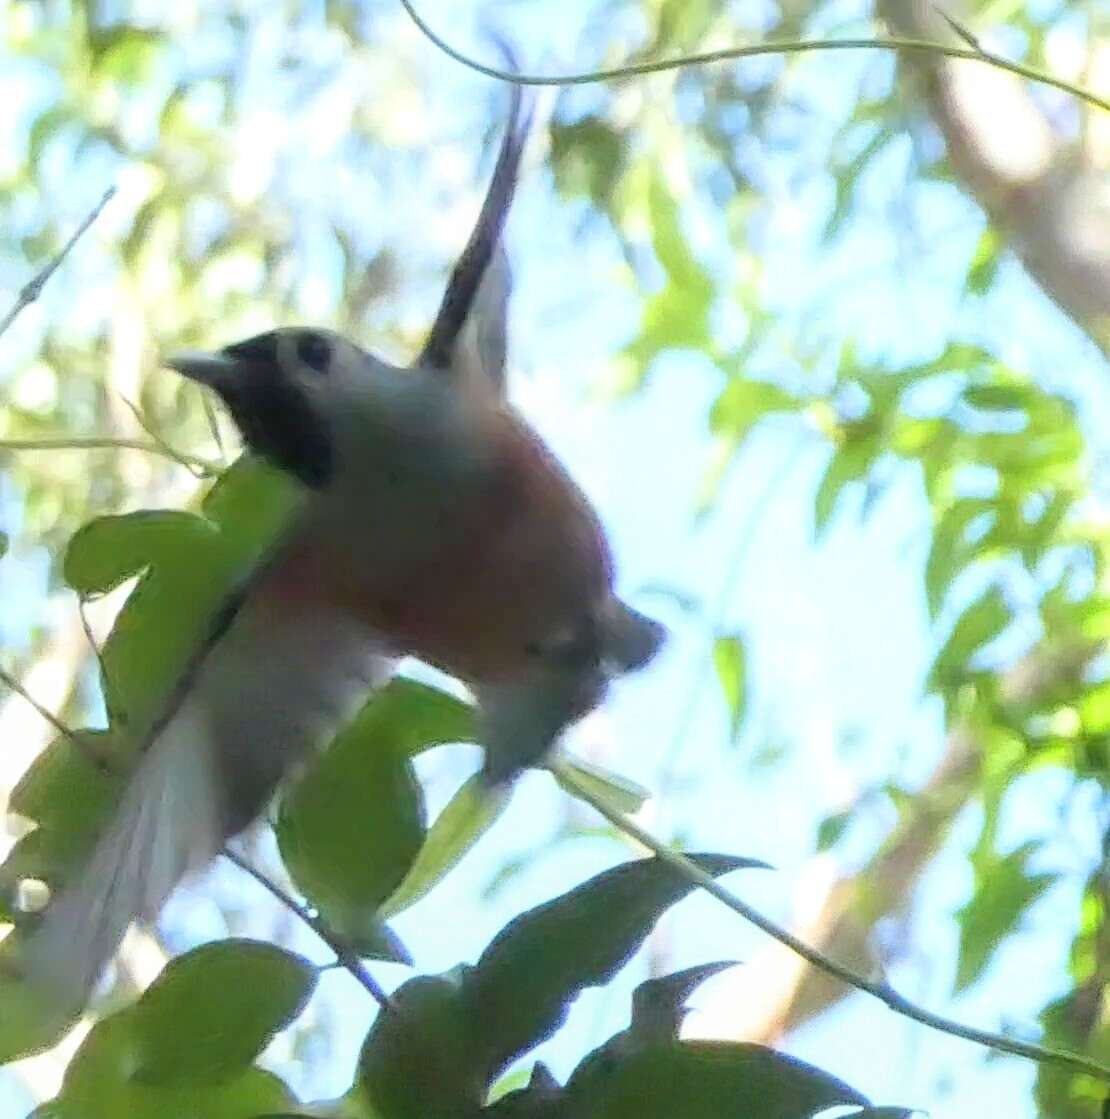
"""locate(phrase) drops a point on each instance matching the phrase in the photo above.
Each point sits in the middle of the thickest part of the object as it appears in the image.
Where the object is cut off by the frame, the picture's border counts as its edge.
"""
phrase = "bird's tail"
(166, 824)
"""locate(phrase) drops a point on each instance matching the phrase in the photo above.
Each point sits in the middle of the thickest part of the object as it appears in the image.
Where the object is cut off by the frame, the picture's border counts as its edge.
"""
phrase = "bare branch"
(205, 467)
(33, 288)
(878, 989)
(345, 955)
(919, 46)
(964, 33)
(13, 685)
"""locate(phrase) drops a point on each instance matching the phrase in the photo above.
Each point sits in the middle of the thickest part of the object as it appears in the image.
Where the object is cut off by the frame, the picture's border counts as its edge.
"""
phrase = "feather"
(279, 681)
(166, 824)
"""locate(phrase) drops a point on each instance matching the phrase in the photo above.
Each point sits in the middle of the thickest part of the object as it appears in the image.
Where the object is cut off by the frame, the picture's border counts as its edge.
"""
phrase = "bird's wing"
(275, 678)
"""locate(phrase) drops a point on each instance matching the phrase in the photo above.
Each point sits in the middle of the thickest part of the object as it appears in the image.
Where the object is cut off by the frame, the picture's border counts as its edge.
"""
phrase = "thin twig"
(964, 33)
(94, 647)
(105, 442)
(33, 288)
(159, 442)
(344, 954)
(732, 54)
(213, 423)
(877, 989)
(12, 684)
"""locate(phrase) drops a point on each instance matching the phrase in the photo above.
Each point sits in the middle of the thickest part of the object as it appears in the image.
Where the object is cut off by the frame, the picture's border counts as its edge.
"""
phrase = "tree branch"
(843, 913)
(205, 467)
(33, 288)
(1044, 193)
(733, 54)
(345, 955)
(877, 989)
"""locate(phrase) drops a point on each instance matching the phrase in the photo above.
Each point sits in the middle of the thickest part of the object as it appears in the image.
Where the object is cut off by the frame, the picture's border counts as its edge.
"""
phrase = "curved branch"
(832, 968)
(33, 288)
(733, 54)
(345, 956)
(205, 467)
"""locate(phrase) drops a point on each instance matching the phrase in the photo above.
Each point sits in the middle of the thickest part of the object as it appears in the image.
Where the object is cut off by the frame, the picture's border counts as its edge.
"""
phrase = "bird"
(435, 523)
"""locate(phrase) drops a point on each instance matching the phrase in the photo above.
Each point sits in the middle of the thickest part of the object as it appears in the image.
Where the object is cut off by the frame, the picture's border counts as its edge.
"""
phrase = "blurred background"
(825, 336)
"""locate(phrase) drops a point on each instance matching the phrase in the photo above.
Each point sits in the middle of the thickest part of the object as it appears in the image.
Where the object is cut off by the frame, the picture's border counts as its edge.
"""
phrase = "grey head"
(287, 388)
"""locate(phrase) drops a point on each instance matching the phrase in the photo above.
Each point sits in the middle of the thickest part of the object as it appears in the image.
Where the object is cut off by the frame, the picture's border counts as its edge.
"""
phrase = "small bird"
(435, 523)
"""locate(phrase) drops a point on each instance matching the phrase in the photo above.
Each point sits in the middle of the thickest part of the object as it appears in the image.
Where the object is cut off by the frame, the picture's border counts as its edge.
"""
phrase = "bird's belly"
(473, 597)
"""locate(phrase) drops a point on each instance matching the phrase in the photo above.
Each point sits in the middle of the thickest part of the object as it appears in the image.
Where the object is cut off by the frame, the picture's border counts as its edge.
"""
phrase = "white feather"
(276, 685)
(166, 824)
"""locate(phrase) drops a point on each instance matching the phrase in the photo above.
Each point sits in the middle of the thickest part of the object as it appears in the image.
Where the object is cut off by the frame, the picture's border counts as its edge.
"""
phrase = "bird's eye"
(314, 351)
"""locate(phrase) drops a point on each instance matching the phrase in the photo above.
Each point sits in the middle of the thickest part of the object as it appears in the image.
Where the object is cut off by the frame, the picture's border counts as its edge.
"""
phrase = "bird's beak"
(218, 371)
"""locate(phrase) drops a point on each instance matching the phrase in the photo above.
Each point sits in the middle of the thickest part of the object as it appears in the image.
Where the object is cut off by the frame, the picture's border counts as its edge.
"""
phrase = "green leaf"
(529, 1103)
(997, 397)
(587, 157)
(672, 246)
(984, 262)
(682, 24)
(1043, 531)
(27, 1024)
(212, 1011)
(99, 1084)
(928, 440)
(701, 1080)
(1093, 708)
(538, 1076)
(351, 830)
(435, 1053)
(69, 797)
(951, 550)
(1004, 890)
(416, 717)
(730, 661)
(109, 550)
(979, 624)
(1074, 1022)
(4, 543)
(956, 357)
(831, 828)
(419, 1060)
(520, 990)
(659, 1005)
(619, 793)
(677, 317)
(850, 462)
(65, 784)
(846, 178)
(125, 53)
(743, 402)
(45, 127)
(466, 817)
(251, 502)
(188, 565)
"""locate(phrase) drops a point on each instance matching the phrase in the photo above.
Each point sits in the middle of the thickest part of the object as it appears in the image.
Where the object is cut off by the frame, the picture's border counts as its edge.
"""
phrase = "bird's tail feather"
(166, 824)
